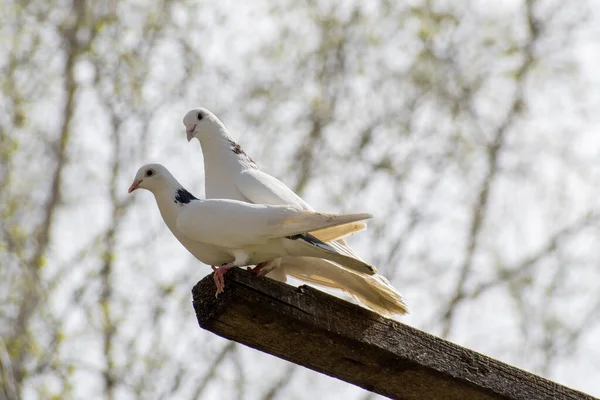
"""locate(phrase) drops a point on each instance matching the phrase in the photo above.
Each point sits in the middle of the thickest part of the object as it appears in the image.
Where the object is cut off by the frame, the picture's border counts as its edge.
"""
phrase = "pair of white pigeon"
(251, 218)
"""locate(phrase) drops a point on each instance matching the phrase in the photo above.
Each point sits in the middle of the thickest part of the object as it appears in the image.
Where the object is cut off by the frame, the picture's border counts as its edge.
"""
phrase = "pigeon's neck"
(224, 160)
(221, 148)
(170, 200)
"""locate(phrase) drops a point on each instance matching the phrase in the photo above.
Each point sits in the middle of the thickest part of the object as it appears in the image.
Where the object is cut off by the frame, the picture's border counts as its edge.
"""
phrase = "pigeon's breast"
(220, 187)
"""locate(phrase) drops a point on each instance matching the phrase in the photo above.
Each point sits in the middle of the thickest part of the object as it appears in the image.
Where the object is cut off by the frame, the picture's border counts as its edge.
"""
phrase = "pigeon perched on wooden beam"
(227, 233)
(230, 173)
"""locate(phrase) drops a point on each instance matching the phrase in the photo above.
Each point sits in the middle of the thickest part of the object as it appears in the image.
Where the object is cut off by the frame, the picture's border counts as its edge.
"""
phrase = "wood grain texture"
(337, 338)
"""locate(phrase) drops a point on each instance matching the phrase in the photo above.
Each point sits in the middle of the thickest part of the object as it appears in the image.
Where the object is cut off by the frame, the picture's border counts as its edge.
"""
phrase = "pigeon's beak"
(190, 133)
(134, 185)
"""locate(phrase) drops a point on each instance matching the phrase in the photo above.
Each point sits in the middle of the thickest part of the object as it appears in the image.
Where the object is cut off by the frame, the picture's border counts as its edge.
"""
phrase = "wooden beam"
(337, 338)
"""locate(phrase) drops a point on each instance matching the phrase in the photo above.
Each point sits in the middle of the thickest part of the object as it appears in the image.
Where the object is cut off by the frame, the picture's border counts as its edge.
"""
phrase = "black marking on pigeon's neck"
(182, 196)
(237, 149)
(307, 237)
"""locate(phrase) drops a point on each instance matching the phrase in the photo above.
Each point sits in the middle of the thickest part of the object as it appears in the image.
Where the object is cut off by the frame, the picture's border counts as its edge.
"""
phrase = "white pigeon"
(231, 233)
(231, 174)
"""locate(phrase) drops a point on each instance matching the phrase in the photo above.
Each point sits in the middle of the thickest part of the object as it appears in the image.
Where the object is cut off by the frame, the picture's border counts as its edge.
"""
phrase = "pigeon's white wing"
(262, 188)
(236, 224)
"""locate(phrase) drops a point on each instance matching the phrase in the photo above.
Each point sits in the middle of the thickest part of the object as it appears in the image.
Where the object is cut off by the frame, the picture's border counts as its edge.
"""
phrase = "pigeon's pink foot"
(259, 267)
(264, 268)
(214, 268)
(219, 279)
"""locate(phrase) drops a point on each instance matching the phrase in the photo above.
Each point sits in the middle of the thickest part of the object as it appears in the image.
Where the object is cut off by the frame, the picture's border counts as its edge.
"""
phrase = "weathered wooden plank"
(329, 335)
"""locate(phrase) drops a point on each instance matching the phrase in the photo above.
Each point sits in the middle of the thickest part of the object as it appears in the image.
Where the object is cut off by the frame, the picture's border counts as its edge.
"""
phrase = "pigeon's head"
(200, 122)
(150, 177)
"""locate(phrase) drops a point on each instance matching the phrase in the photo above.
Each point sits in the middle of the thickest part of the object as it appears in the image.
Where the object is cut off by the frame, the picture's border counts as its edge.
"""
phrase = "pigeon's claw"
(264, 268)
(219, 278)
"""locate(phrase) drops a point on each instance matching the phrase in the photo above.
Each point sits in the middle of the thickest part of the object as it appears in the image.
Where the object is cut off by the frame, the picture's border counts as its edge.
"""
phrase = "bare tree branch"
(494, 151)
(204, 382)
(281, 383)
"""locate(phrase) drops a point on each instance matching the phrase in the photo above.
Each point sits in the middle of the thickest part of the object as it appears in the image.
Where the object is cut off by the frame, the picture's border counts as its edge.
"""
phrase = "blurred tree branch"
(493, 152)
(31, 296)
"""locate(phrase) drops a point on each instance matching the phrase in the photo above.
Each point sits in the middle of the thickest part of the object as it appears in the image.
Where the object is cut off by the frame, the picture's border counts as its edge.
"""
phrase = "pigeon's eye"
(149, 172)
(200, 116)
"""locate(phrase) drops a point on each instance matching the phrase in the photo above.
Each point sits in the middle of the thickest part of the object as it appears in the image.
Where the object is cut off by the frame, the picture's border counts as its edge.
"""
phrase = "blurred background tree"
(468, 129)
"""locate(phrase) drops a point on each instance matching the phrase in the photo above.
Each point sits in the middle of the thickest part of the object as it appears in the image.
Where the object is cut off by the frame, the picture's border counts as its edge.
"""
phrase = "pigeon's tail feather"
(309, 246)
(341, 247)
(336, 238)
(374, 291)
(339, 232)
